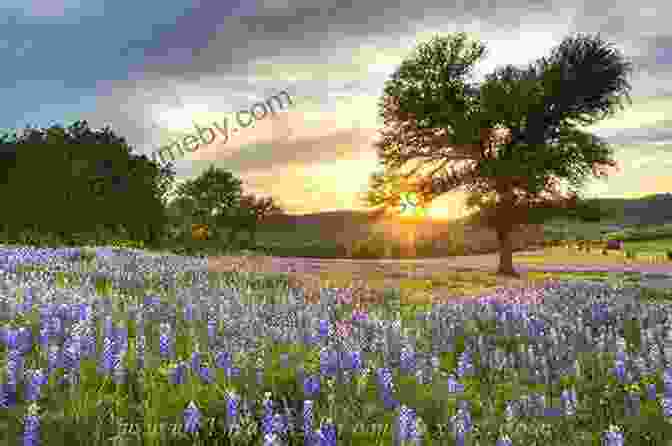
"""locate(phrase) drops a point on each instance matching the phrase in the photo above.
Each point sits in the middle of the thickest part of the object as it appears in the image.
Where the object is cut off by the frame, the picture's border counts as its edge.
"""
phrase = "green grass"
(99, 410)
(660, 246)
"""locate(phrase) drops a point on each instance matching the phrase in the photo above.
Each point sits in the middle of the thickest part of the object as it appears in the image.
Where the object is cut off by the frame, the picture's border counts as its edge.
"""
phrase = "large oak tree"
(512, 142)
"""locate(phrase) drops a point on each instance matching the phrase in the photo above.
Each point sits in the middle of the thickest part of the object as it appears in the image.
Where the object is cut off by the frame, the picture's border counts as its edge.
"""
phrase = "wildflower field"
(110, 346)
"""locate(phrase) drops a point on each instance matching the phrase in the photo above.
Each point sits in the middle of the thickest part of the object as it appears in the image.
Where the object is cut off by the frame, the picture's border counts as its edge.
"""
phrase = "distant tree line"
(76, 185)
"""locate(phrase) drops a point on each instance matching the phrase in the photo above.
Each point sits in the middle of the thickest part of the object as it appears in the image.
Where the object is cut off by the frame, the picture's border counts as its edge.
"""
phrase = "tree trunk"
(505, 254)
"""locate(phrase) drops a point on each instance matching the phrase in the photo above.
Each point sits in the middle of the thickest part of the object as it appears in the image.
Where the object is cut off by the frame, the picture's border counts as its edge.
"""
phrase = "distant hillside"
(649, 210)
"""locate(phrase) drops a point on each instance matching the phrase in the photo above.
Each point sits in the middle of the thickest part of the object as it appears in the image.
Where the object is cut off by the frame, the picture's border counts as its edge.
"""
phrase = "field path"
(311, 273)
(523, 261)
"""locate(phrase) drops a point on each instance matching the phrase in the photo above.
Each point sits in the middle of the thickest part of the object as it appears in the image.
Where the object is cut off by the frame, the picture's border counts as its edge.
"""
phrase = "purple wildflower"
(267, 423)
(613, 436)
(307, 422)
(311, 385)
(232, 409)
(192, 418)
(165, 341)
(31, 434)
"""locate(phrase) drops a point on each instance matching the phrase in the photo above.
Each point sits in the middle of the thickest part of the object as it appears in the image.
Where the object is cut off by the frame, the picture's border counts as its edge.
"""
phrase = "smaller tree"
(208, 197)
(249, 213)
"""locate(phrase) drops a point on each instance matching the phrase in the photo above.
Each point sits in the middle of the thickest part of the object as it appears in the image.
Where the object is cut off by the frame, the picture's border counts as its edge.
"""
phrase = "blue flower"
(31, 434)
(232, 409)
(311, 385)
(165, 341)
(178, 373)
(619, 370)
(192, 418)
(651, 391)
(327, 434)
(406, 420)
(267, 422)
(407, 359)
(195, 362)
(613, 437)
(454, 386)
(307, 422)
(108, 355)
(323, 329)
(223, 360)
(206, 375)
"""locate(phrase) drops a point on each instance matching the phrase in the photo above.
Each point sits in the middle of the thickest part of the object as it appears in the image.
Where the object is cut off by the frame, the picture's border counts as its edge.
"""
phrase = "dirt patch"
(420, 281)
(424, 280)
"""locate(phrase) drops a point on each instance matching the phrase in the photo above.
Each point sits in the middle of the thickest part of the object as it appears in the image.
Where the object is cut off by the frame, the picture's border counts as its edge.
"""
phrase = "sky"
(150, 70)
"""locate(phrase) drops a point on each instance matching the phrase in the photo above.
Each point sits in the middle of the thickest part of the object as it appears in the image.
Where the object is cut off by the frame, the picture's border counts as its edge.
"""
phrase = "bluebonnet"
(464, 364)
(407, 360)
(165, 341)
(327, 434)
(323, 330)
(206, 374)
(31, 434)
(355, 360)
(195, 362)
(212, 329)
(404, 421)
(307, 422)
(280, 424)
(328, 362)
(568, 400)
(385, 387)
(651, 391)
(267, 422)
(189, 312)
(667, 381)
(270, 439)
(311, 385)
(108, 354)
(453, 385)
(666, 404)
(192, 418)
(619, 370)
(613, 436)
(178, 373)
(232, 409)
(223, 360)
(37, 379)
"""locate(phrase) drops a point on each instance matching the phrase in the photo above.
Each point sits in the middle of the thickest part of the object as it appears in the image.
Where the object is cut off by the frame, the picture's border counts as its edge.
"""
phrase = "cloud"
(151, 73)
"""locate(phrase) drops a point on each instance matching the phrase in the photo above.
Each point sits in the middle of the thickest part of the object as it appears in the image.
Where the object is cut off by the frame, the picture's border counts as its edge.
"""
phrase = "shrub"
(127, 244)
(669, 254)
(371, 248)
(424, 248)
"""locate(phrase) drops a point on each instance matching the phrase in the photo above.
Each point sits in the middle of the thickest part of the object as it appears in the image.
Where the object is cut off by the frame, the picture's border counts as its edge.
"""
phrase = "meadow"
(112, 346)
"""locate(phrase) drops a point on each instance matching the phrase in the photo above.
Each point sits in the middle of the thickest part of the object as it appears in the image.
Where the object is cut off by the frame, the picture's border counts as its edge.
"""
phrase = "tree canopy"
(74, 180)
(510, 142)
(216, 198)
